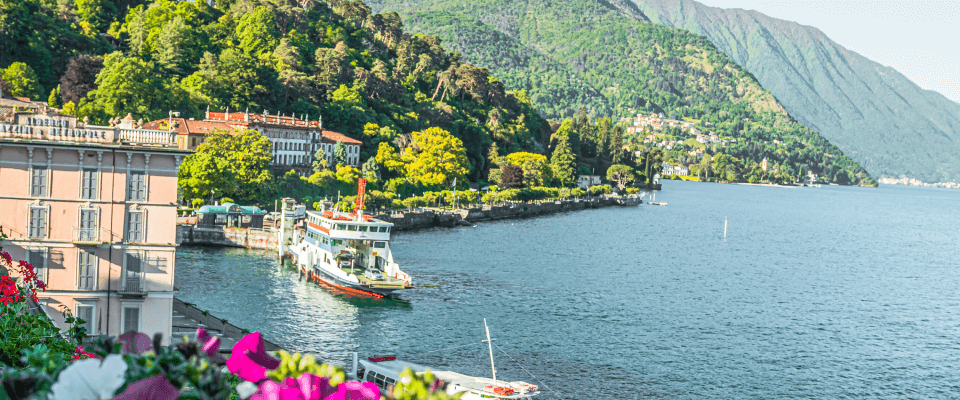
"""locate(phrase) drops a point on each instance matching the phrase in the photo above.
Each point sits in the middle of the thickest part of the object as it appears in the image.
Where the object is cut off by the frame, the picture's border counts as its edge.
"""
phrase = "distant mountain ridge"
(873, 113)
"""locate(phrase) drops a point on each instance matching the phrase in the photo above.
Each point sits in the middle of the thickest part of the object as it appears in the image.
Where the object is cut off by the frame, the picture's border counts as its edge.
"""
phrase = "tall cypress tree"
(563, 162)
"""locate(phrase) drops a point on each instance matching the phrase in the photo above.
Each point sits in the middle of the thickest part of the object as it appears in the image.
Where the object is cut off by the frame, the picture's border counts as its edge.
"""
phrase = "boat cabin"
(385, 372)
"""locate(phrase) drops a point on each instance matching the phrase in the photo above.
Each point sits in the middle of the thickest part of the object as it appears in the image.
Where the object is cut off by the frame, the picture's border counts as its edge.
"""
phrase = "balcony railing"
(86, 236)
(133, 284)
(143, 136)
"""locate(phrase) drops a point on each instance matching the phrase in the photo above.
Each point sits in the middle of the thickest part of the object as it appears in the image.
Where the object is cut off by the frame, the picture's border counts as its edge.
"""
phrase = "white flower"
(90, 378)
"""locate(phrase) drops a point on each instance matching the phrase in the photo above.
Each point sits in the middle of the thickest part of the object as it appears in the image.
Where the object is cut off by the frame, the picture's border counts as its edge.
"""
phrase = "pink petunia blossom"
(156, 387)
(210, 345)
(312, 387)
(249, 359)
(135, 342)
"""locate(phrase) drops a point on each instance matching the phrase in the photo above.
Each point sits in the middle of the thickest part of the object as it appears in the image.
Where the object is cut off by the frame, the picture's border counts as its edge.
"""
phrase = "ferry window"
(363, 228)
(341, 227)
(379, 245)
(387, 229)
(351, 227)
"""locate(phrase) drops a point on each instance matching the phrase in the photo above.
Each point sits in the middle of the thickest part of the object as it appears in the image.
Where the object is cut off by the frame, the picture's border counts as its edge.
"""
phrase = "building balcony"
(86, 237)
(133, 285)
(145, 136)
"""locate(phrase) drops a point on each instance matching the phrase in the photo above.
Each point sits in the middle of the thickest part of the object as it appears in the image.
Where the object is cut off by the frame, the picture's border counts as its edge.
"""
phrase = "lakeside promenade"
(403, 220)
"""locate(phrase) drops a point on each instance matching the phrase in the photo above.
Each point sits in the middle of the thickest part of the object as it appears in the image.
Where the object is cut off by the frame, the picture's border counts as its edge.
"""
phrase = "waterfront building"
(93, 208)
(294, 141)
(585, 181)
(231, 215)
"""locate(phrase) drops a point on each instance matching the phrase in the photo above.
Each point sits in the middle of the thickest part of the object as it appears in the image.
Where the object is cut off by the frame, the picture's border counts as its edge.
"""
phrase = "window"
(133, 273)
(38, 187)
(131, 319)
(38, 259)
(85, 313)
(363, 228)
(134, 226)
(137, 189)
(88, 225)
(341, 227)
(87, 271)
(88, 188)
(379, 245)
(38, 222)
(352, 228)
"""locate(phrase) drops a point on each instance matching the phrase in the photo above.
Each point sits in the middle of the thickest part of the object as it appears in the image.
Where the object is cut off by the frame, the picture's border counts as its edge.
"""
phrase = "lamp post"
(170, 115)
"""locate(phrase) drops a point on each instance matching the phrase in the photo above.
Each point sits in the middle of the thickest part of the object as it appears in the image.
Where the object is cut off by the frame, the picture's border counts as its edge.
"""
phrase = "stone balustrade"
(144, 136)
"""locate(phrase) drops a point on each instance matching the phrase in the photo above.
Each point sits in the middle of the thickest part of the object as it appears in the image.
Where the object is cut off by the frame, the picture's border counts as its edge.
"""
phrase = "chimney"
(207, 115)
(246, 115)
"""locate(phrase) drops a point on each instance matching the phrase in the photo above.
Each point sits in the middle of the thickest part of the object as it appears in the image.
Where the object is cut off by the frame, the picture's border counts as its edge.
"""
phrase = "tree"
(536, 171)
(563, 161)
(204, 174)
(436, 158)
(340, 154)
(257, 31)
(511, 177)
(371, 168)
(621, 174)
(319, 160)
(177, 47)
(80, 78)
(54, 99)
(96, 13)
(247, 155)
(22, 81)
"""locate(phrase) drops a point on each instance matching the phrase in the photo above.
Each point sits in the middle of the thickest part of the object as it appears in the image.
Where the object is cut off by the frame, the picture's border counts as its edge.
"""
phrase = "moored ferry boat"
(348, 251)
(384, 371)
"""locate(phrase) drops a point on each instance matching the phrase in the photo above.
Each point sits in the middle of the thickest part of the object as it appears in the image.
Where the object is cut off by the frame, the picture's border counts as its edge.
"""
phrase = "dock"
(187, 318)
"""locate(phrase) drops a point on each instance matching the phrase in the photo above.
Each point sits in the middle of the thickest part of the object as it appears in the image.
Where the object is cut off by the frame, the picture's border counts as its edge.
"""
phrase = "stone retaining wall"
(449, 218)
(230, 237)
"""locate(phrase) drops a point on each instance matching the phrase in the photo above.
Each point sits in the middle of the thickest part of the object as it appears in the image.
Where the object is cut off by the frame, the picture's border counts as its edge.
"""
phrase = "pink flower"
(249, 360)
(312, 387)
(134, 342)
(210, 345)
(153, 388)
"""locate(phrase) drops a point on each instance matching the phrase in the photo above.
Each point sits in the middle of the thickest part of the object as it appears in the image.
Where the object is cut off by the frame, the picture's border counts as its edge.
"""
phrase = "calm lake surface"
(815, 293)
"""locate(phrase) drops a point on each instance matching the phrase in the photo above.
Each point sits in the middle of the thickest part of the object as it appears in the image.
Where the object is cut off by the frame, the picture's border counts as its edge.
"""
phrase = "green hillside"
(359, 70)
(593, 54)
(872, 112)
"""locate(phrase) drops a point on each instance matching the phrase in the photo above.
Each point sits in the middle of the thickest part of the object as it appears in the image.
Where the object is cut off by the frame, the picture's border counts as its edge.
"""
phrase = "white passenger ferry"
(349, 252)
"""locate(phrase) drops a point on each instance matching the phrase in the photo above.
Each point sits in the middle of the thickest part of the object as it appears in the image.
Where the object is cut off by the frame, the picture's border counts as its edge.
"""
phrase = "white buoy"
(724, 227)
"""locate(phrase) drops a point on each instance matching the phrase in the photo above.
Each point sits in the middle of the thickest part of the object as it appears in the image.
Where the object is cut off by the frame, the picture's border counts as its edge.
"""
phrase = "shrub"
(600, 190)
(633, 190)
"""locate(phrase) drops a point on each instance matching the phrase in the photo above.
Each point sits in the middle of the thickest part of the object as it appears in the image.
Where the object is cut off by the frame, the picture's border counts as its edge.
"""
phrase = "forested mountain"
(872, 112)
(601, 55)
(367, 77)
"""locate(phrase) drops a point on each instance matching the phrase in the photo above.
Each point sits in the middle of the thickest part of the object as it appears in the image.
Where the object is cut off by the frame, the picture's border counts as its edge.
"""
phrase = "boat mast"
(490, 346)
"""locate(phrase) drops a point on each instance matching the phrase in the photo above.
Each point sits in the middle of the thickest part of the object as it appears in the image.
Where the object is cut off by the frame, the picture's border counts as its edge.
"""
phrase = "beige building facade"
(93, 208)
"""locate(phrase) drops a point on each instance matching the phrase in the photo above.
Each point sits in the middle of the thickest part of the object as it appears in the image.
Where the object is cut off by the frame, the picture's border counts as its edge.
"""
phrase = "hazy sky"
(919, 38)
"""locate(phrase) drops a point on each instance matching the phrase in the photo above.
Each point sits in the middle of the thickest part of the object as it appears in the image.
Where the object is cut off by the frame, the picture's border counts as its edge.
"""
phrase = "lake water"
(815, 293)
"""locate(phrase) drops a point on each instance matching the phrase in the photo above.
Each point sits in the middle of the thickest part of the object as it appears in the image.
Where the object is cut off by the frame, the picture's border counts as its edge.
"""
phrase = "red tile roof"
(187, 126)
(336, 136)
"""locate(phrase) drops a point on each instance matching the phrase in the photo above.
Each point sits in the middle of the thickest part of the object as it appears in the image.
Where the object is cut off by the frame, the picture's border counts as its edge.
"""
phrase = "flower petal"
(153, 388)
(90, 379)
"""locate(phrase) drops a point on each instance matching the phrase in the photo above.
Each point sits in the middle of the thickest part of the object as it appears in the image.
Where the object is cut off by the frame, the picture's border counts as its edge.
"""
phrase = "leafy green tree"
(536, 171)
(177, 47)
(621, 174)
(319, 160)
(54, 99)
(563, 162)
(131, 85)
(205, 174)
(246, 154)
(96, 13)
(340, 153)
(436, 158)
(22, 81)
(257, 31)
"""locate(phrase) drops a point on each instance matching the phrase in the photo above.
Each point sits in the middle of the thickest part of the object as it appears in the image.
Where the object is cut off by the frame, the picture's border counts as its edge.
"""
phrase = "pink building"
(93, 208)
